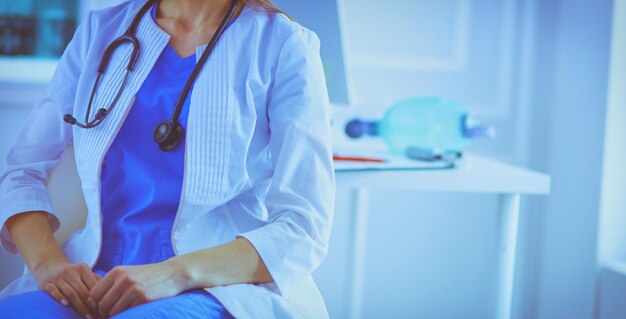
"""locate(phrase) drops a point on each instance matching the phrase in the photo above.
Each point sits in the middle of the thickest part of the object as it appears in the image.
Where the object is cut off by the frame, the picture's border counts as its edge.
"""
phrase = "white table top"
(475, 175)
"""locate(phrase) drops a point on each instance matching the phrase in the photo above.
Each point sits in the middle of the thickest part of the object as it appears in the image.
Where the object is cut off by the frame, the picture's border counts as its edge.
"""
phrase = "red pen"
(357, 159)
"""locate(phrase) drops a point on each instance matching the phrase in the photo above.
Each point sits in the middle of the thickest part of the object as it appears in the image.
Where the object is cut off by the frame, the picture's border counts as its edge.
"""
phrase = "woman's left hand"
(125, 287)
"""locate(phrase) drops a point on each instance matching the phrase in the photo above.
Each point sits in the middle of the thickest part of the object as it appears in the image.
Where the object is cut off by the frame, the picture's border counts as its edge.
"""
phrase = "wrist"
(195, 271)
(47, 265)
(181, 273)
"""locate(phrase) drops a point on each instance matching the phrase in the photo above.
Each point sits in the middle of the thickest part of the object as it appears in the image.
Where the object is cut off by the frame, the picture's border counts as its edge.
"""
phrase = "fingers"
(73, 297)
(112, 296)
(66, 294)
(82, 284)
(123, 303)
(79, 285)
(116, 292)
(137, 302)
(80, 288)
(88, 277)
(70, 285)
(54, 292)
(102, 285)
(105, 293)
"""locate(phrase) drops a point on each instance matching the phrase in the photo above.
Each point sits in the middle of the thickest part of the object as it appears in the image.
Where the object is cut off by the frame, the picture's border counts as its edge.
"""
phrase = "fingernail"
(89, 317)
(64, 302)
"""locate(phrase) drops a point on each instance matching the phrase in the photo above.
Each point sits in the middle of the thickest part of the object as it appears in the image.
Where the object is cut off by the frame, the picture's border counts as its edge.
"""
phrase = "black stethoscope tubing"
(168, 133)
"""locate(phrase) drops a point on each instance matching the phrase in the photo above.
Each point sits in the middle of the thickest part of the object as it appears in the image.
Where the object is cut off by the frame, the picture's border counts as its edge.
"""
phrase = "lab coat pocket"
(165, 245)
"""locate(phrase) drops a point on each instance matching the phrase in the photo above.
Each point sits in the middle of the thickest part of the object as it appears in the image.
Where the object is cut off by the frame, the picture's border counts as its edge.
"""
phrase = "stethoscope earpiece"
(69, 119)
(168, 135)
(102, 113)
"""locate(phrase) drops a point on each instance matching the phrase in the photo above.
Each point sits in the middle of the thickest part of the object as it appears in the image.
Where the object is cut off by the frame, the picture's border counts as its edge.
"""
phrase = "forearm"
(34, 239)
(232, 263)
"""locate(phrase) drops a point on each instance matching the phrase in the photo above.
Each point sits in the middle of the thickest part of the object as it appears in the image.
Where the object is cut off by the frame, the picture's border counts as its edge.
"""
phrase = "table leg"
(508, 217)
(357, 247)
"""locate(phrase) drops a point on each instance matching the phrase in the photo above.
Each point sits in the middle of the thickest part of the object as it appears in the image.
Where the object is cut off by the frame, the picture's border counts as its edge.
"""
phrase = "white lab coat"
(258, 160)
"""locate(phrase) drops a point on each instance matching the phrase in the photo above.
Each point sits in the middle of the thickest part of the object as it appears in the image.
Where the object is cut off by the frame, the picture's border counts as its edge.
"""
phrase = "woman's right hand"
(68, 284)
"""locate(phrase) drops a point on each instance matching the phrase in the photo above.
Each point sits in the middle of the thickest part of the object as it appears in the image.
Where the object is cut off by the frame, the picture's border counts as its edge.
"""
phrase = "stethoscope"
(167, 134)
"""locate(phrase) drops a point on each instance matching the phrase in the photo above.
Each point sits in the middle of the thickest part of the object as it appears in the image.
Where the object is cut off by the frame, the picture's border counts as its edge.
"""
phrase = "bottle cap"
(356, 128)
(473, 129)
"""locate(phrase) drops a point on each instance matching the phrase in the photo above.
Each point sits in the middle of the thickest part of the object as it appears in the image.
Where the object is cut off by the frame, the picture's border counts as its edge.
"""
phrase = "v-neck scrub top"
(141, 184)
(257, 158)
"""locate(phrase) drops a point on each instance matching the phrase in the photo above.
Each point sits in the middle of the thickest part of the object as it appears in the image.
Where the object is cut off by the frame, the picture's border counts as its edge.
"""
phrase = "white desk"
(476, 175)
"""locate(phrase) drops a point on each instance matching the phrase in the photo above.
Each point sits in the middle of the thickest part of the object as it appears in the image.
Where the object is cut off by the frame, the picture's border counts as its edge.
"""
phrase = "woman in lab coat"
(230, 222)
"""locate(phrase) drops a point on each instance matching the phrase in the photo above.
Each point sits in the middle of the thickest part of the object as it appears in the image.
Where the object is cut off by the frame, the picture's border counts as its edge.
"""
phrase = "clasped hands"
(123, 287)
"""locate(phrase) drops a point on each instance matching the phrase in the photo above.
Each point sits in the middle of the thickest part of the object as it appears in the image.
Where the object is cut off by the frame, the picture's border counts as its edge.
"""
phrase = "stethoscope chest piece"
(168, 135)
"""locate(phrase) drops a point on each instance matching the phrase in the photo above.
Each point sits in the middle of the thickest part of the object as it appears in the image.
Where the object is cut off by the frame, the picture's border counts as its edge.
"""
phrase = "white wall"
(612, 237)
(467, 50)
(612, 241)
(570, 96)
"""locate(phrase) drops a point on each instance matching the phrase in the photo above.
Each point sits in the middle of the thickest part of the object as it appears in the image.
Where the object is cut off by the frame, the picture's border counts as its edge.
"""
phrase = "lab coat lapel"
(92, 144)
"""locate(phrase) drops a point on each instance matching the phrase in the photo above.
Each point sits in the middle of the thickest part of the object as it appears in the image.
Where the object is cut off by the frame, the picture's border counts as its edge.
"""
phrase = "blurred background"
(549, 75)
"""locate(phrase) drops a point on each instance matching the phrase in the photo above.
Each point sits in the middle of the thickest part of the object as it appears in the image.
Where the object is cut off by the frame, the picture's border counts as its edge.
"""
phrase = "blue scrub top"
(141, 185)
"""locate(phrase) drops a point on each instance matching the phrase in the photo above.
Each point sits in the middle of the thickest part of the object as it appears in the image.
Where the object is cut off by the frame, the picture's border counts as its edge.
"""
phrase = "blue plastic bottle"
(428, 123)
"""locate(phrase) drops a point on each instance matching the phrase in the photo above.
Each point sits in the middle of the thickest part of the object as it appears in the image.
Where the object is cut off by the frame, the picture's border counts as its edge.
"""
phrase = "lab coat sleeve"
(41, 142)
(300, 198)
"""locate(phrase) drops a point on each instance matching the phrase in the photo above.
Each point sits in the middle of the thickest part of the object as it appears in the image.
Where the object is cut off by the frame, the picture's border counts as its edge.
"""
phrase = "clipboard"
(394, 162)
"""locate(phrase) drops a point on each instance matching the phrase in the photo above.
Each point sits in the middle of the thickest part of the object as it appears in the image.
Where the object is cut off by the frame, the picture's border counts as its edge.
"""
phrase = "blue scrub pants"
(191, 304)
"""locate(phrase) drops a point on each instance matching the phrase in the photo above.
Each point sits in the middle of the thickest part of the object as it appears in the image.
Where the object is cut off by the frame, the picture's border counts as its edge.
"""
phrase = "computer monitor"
(323, 17)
